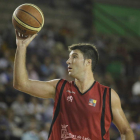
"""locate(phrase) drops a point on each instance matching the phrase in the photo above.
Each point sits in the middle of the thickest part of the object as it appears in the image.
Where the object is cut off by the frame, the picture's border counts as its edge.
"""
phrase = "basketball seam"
(24, 27)
(30, 15)
(29, 27)
(25, 23)
(40, 11)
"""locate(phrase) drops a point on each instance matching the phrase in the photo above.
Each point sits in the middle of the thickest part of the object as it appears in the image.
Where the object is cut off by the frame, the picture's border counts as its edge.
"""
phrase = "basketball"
(28, 19)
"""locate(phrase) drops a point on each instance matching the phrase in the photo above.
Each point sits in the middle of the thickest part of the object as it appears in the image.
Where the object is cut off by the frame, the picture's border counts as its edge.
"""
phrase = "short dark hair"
(89, 51)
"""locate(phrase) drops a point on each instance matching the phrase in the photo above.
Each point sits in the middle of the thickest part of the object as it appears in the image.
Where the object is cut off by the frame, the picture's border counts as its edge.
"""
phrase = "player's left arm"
(119, 118)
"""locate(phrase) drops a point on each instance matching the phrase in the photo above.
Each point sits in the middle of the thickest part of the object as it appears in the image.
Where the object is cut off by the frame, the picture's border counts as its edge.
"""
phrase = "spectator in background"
(136, 91)
(19, 106)
(3, 77)
(32, 133)
(47, 110)
(4, 62)
(46, 42)
(58, 67)
(35, 108)
(53, 75)
(15, 127)
(32, 72)
(6, 75)
(44, 131)
(136, 88)
(4, 126)
(3, 105)
(45, 68)
(35, 60)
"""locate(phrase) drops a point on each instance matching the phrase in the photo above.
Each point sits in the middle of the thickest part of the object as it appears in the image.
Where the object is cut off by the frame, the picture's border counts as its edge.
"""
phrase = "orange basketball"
(28, 19)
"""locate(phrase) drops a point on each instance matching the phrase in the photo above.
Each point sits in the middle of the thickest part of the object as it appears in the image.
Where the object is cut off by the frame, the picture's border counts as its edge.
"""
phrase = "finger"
(25, 36)
(20, 36)
(17, 34)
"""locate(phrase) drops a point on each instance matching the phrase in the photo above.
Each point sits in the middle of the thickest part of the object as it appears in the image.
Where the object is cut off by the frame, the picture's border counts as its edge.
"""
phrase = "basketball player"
(83, 109)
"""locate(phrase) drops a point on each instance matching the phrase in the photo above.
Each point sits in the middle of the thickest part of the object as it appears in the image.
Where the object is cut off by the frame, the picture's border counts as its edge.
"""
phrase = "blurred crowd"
(23, 117)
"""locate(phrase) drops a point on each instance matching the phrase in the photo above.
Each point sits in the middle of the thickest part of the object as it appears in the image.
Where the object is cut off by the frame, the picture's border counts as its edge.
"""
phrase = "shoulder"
(54, 82)
(115, 99)
(102, 86)
(63, 82)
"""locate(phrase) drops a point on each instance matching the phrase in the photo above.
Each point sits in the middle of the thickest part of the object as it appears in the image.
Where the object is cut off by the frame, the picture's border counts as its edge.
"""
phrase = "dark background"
(66, 22)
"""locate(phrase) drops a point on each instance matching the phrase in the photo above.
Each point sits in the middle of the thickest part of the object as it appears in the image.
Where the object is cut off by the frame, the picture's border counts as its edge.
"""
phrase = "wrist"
(21, 47)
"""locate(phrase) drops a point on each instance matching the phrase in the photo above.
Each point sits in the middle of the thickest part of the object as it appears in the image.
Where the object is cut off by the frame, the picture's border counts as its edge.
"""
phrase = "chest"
(73, 102)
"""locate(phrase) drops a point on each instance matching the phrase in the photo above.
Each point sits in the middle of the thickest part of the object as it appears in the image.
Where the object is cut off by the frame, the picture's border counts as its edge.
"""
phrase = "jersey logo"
(66, 135)
(70, 98)
(92, 102)
(70, 91)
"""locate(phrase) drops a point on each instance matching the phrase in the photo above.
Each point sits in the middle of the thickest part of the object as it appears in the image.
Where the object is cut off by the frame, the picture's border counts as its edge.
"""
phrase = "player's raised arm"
(119, 118)
(20, 77)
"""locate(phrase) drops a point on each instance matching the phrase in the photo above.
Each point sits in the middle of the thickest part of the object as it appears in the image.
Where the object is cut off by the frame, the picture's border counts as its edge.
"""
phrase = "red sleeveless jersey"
(80, 116)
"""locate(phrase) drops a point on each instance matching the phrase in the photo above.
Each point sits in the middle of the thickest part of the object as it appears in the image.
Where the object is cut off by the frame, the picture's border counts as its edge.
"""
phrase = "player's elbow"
(127, 134)
(126, 131)
(15, 85)
(18, 85)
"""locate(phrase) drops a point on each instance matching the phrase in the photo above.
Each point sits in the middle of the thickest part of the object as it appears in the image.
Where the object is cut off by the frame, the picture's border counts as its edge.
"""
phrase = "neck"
(85, 82)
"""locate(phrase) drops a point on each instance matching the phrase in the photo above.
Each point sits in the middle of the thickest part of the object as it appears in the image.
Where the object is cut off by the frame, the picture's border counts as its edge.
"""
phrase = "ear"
(88, 62)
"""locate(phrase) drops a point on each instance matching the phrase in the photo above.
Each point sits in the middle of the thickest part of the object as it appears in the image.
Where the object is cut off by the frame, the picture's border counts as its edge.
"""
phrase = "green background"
(120, 20)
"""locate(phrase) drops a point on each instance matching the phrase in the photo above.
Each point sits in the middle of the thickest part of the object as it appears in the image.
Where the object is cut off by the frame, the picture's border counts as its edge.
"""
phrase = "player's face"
(76, 63)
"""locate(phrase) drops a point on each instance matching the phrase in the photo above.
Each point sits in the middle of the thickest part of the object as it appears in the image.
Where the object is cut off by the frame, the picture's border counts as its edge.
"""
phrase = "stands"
(118, 68)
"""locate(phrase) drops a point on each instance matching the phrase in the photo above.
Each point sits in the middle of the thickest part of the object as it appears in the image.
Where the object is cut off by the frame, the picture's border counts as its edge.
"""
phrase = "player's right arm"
(20, 76)
(119, 118)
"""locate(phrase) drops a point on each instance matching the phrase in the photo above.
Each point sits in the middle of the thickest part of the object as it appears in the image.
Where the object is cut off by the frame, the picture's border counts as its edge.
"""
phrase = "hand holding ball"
(28, 19)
